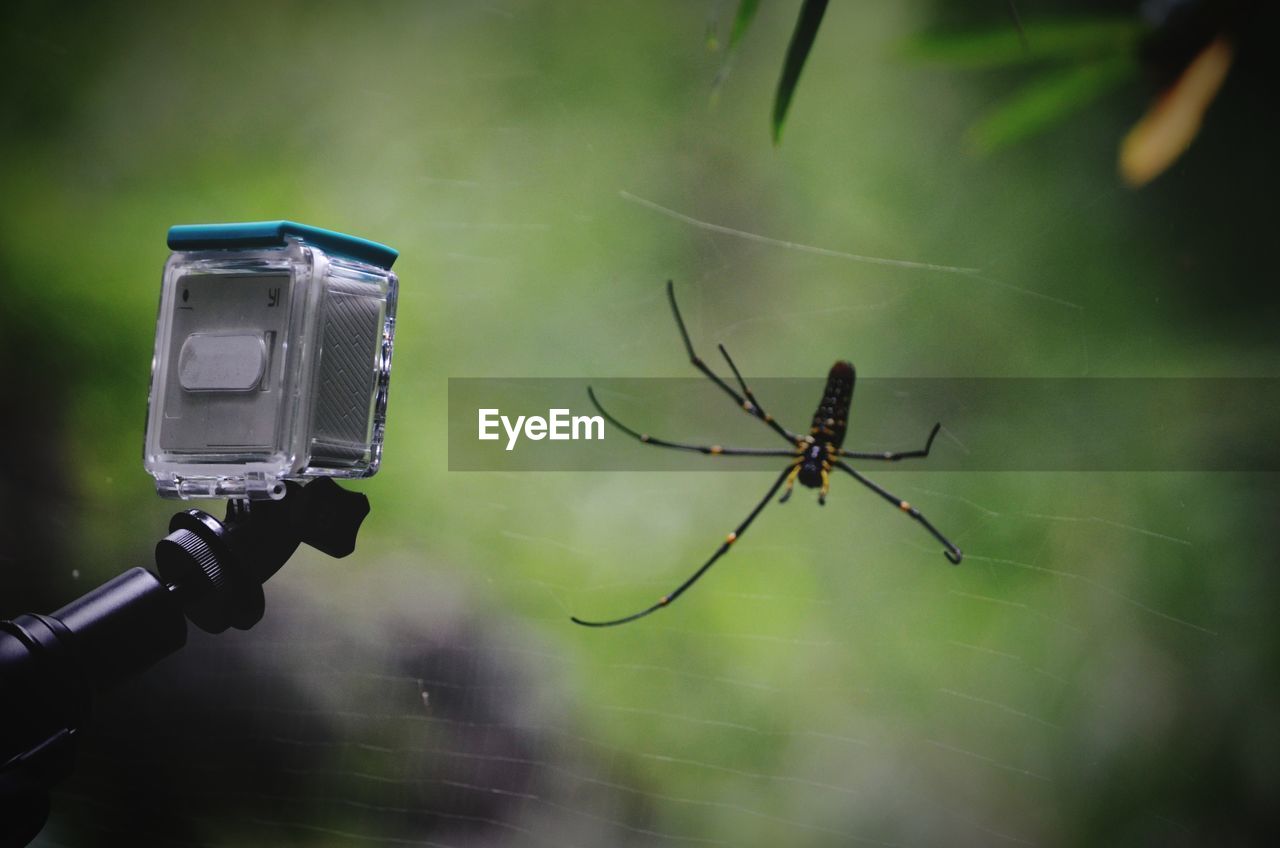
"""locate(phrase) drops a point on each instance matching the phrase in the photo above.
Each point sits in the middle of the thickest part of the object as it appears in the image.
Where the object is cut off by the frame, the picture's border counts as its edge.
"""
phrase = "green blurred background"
(1100, 670)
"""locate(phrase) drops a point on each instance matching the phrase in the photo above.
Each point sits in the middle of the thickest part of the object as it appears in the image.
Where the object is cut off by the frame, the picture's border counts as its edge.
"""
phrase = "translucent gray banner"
(997, 424)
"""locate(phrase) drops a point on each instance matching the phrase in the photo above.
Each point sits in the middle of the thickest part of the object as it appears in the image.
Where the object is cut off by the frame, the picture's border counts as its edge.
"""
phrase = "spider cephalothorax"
(812, 456)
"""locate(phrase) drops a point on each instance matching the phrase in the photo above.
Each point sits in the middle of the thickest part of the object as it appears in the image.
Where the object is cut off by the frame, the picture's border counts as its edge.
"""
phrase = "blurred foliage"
(1102, 52)
(811, 12)
(1068, 40)
(1168, 42)
(1046, 101)
(741, 22)
(806, 30)
(1099, 54)
(1100, 669)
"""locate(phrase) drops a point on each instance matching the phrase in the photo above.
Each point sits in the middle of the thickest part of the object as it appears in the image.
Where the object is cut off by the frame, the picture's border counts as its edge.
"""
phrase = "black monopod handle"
(210, 571)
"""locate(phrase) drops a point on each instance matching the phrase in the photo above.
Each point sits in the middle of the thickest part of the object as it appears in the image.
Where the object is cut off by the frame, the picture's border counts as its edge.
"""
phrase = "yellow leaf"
(1170, 125)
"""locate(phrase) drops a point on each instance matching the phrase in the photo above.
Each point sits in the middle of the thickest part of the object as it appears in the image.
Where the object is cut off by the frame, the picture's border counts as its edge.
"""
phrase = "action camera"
(272, 359)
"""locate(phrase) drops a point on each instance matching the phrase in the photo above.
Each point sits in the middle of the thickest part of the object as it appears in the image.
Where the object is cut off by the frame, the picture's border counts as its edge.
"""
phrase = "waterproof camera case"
(272, 359)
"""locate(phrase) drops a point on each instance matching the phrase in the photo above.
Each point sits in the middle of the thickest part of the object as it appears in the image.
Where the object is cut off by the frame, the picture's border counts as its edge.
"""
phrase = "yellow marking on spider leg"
(904, 506)
(790, 484)
(716, 449)
(731, 538)
(826, 481)
(664, 600)
(644, 437)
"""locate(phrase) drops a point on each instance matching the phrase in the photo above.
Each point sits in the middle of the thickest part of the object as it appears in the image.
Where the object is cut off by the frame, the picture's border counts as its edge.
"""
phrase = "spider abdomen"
(831, 421)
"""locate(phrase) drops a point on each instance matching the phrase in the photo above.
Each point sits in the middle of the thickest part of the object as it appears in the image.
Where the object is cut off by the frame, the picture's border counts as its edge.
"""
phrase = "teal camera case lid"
(274, 233)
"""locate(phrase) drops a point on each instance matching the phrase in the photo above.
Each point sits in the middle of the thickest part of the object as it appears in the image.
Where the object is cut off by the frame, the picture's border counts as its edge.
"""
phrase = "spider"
(812, 456)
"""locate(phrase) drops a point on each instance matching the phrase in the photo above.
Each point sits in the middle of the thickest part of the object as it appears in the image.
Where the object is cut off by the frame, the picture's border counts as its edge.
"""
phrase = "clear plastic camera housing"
(272, 359)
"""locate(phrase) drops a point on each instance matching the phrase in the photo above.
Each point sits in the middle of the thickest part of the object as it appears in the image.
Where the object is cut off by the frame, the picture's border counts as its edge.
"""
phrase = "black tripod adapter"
(209, 571)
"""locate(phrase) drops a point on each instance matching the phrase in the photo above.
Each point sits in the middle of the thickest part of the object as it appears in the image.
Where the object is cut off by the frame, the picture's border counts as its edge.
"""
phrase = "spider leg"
(953, 553)
(720, 551)
(791, 484)
(749, 407)
(712, 450)
(894, 456)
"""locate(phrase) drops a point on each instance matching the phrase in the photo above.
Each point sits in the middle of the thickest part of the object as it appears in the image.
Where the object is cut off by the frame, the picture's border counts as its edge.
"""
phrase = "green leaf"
(797, 52)
(1047, 101)
(1045, 40)
(746, 13)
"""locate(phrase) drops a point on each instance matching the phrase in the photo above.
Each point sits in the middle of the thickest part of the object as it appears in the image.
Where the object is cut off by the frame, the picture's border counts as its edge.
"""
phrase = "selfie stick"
(208, 571)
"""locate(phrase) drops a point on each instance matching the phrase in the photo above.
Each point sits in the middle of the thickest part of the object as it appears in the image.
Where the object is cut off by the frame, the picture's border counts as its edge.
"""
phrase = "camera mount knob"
(217, 568)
